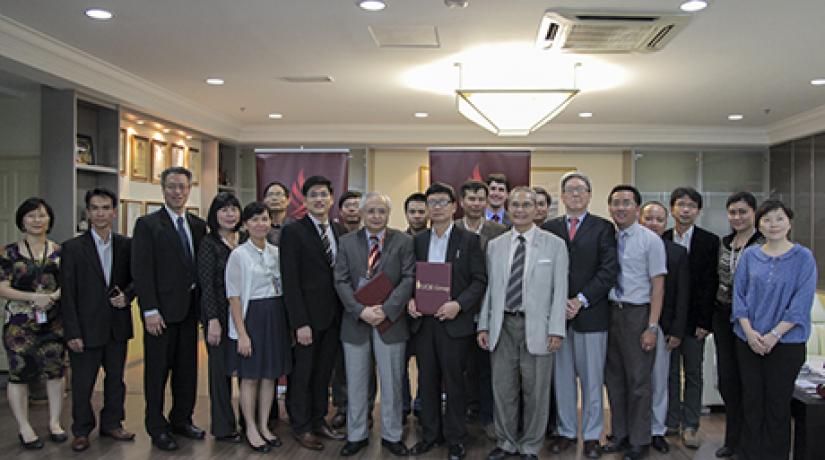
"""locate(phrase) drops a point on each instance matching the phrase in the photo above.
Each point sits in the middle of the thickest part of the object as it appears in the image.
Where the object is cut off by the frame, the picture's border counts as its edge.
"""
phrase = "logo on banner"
(296, 197)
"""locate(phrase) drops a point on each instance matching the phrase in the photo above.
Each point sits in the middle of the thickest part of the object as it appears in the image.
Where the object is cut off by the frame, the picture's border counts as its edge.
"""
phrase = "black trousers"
(85, 367)
(479, 382)
(767, 389)
(175, 350)
(220, 389)
(440, 359)
(307, 397)
(727, 369)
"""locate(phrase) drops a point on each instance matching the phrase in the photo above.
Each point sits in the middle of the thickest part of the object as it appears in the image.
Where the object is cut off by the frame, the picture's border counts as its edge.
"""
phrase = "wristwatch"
(776, 334)
(653, 327)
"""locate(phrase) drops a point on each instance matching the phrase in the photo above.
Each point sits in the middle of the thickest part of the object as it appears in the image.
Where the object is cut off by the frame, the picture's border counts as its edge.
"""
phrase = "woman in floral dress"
(33, 331)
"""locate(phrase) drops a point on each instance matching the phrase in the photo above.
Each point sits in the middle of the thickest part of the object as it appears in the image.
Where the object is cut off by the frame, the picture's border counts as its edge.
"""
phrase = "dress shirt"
(333, 246)
(174, 217)
(252, 273)
(437, 252)
(467, 226)
(104, 253)
(683, 240)
(489, 213)
(379, 235)
(529, 235)
(580, 296)
(643, 258)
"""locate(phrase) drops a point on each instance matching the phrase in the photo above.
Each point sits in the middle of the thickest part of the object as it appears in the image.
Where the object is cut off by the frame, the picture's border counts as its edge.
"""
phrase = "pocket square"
(544, 261)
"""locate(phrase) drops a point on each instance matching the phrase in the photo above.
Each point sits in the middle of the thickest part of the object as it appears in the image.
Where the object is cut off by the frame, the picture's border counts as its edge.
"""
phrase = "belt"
(618, 304)
(517, 313)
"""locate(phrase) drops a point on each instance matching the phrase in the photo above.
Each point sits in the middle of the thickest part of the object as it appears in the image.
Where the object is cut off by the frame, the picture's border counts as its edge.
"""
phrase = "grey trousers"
(582, 355)
(389, 358)
(684, 408)
(659, 384)
(516, 371)
(627, 374)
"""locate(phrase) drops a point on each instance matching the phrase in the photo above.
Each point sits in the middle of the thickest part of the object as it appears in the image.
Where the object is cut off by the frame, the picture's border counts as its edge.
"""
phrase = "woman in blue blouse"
(774, 286)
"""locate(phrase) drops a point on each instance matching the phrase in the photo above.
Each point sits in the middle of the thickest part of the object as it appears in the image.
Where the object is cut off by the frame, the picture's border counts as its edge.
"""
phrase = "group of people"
(540, 311)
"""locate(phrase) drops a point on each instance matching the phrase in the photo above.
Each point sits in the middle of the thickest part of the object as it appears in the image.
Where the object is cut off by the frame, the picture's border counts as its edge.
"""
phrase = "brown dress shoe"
(309, 441)
(325, 431)
(80, 443)
(118, 434)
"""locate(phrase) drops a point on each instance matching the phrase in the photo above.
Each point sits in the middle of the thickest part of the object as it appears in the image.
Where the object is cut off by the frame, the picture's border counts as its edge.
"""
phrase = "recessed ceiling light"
(735, 117)
(99, 14)
(166, 130)
(189, 137)
(372, 5)
(275, 116)
(140, 122)
(586, 115)
(214, 81)
(421, 114)
(818, 81)
(694, 5)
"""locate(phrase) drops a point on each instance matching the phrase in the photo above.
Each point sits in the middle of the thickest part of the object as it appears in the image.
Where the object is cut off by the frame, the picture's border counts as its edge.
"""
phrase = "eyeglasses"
(441, 202)
(686, 205)
(322, 194)
(627, 203)
(176, 186)
(525, 205)
(276, 195)
(574, 190)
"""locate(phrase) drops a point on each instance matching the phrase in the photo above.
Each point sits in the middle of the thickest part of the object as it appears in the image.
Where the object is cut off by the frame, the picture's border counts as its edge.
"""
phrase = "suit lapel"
(453, 244)
(90, 252)
(172, 232)
(363, 255)
(314, 236)
(584, 227)
(423, 245)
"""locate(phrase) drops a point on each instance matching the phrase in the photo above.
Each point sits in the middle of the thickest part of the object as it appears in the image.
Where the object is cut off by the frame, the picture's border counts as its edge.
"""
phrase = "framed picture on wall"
(130, 210)
(139, 160)
(152, 206)
(178, 155)
(160, 159)
(423, 178)
(193, 163)
(122, 152)
(194, 210)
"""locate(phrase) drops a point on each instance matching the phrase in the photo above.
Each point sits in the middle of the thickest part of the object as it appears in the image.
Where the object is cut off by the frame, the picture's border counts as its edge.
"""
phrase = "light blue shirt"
(643, 258)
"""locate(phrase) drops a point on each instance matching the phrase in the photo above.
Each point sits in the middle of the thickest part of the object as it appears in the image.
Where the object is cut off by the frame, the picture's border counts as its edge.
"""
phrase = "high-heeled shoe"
(274, 442)
(31, 445)
(262, 449)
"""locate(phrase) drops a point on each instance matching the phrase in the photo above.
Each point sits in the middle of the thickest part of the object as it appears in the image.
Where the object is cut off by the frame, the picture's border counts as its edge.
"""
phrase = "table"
(808, 413)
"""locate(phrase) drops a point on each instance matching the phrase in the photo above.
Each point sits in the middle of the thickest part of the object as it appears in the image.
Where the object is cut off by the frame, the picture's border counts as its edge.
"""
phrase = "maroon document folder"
(375, 292)
(432, 286)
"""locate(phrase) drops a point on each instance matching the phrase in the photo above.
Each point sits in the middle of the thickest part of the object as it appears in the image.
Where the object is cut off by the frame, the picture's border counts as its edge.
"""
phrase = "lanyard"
(41, 265)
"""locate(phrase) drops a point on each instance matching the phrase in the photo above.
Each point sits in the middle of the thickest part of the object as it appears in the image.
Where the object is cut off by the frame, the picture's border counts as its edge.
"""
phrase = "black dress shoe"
(274, 442)
(529, 457)
(339, 420)
(660, 443)
(352, 447)
(456, 452)
(634, 453)
(615, 445)
(725, 452)
(189, 431)
(31, 445)
(164, 441)
(592, 449)
(262, 449)
(232, 438)
(422, 447)
(396, 448)
(58, 437)
(500, 454)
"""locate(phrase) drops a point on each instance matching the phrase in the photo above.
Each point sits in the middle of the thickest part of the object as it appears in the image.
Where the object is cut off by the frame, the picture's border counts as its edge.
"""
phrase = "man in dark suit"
(478, 380)
(164, 269)
(308, 251)
(96, 293)
(702, 246)
(441, 340)
(591, 245)
(415, 211)
(498, 188)
(671, 321)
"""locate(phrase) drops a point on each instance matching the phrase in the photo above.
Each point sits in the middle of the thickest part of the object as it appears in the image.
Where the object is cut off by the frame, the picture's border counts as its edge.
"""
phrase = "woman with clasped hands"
(773, 289)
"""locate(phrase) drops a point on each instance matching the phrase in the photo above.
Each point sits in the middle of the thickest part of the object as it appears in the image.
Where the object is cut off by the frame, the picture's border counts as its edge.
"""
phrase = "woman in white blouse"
(257, 325)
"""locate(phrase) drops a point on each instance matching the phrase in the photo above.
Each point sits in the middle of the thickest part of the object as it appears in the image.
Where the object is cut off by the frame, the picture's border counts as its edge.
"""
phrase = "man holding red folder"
(443, 338)
(374, 276)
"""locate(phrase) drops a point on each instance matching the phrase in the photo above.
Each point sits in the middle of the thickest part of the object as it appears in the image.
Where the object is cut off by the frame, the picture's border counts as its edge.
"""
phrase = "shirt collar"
(98, 240)
(489, 213)
(581, 217)
(379, 235)
(318, 222)
(629, 231)
(173, 215)
(528, 235)
(446, 233)
(687, 235)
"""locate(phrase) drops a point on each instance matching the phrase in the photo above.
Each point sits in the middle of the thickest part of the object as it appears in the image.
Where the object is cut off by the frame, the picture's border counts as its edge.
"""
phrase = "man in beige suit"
(522, 322)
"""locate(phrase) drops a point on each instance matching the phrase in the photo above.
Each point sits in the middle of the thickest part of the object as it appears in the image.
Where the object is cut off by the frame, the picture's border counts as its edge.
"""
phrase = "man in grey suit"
(361, 256)
(522, 321)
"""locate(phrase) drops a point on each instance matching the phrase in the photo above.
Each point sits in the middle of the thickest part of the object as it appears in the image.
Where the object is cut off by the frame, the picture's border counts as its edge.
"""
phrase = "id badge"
(276, 283)
(40, 317)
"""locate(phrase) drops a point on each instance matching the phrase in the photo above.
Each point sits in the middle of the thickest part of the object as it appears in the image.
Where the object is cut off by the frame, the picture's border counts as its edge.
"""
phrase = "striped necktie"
(374, 257)
(326, 244)
(513, 299)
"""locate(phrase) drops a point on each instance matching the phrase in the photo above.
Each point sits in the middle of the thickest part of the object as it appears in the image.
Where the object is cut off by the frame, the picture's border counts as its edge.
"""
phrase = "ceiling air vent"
(607, 32)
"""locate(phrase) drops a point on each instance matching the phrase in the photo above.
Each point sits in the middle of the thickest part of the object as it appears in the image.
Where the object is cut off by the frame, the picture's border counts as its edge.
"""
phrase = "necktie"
(620, 243)
(496, 218)
(325, 243)
(574, 226)
(513, 300)
(184, 240)
(374, 257)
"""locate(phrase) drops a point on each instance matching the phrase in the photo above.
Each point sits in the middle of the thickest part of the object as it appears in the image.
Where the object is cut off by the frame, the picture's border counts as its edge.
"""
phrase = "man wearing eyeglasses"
(591, 246)
(276, 199)
(442, 340)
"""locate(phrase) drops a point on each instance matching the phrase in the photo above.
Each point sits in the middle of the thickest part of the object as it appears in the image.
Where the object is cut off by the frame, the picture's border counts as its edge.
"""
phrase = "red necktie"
(374, 256)
(574, 225)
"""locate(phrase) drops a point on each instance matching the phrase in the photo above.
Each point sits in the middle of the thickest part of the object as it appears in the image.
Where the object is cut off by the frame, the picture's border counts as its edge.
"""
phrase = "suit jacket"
(489, 230)
(397, 262)
(162, 272)
(593, 268)
(703, 259)
(544, 289)
(84, 293)
(468, 277)
(677, 291)
(309, 286)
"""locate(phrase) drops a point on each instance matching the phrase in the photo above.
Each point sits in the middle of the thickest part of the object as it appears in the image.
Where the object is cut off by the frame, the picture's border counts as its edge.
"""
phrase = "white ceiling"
(737, 56)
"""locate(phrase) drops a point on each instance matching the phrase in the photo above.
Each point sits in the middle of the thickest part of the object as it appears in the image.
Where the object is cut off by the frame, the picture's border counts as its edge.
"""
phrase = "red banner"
(292, 169)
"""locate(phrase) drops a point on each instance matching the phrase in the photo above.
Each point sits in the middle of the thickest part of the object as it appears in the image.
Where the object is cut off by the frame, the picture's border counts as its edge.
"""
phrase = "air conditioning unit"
(607, 32)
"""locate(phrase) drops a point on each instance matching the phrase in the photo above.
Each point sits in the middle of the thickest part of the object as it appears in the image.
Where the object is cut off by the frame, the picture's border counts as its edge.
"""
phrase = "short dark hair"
(474, 186)
(417, 196)
(100, 191)
(772, 205)
(279, 184)
(690, 192)
(626, 188)
(498, 177)
(221, 200)
(175, 170)
(747, 197)
(575, 175)
(253, 209)
(347, 195)
(441, 187)
(30, 204)
(654, 203)
(541, 191)
(312, 181)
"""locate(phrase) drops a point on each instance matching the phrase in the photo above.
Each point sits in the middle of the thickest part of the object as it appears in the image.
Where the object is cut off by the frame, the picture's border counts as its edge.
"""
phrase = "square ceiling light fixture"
(512, 112)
